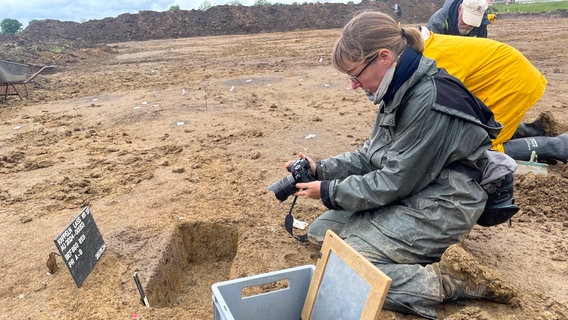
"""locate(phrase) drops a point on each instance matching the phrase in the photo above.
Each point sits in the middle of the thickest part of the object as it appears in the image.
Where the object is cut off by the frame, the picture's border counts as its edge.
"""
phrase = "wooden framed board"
(345, 285)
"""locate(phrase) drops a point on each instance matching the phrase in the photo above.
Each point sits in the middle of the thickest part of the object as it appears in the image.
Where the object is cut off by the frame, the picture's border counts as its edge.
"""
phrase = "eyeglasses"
(356, 77)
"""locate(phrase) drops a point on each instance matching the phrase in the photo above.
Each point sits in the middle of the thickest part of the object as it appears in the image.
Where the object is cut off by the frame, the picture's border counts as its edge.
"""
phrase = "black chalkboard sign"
(81, 246)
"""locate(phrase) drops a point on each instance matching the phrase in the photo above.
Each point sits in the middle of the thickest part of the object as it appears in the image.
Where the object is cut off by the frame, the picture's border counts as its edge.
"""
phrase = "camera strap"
(289, 224)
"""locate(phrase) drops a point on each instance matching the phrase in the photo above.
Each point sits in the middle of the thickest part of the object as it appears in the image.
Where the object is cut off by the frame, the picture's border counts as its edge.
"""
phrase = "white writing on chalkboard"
(68, 238)
(74, 253)
(101, 250)
(65, 239)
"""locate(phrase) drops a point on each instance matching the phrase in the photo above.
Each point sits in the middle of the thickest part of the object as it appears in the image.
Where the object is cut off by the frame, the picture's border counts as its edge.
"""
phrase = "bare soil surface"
(172, 144)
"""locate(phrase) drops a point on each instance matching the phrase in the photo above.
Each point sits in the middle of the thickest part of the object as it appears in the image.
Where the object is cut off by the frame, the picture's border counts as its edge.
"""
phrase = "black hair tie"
(402, 32)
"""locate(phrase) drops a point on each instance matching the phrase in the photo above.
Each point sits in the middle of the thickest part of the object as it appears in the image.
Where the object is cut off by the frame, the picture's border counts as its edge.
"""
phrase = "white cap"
(473, 10)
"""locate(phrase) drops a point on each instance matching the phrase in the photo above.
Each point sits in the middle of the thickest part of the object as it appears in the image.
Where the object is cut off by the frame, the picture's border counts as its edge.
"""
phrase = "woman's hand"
(303, 156)
(308, 189)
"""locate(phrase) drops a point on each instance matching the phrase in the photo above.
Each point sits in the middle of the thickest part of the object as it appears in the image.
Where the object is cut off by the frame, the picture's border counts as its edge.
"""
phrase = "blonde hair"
(367, 33)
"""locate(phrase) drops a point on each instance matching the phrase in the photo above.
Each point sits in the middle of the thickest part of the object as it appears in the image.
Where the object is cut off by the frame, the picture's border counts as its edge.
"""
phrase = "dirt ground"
(172, 144)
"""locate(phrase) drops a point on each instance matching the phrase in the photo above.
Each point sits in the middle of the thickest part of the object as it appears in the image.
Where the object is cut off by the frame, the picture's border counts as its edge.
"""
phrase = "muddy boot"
(532, 129)
(464, 278)
(544, 125)
(547, 148)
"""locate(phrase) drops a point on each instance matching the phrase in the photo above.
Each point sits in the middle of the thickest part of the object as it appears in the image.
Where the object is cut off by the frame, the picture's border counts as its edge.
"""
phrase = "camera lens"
(284, 188)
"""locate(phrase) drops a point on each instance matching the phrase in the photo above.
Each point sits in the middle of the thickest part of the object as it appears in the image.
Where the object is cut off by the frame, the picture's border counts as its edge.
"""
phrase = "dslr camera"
(300, 172)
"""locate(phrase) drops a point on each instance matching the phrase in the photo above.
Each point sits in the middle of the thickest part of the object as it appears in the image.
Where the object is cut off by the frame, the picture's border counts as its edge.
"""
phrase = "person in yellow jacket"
(505, 80)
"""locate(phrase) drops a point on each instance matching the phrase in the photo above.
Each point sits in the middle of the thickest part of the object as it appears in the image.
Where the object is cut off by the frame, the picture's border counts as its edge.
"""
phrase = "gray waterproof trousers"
(403, 239)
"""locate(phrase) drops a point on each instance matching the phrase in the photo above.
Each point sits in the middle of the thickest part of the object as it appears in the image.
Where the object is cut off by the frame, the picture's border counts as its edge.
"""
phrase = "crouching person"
(413, 189)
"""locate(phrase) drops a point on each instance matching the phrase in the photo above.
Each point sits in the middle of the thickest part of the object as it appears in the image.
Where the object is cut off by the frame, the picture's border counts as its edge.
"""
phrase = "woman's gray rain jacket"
(408, 148)
(413, 189)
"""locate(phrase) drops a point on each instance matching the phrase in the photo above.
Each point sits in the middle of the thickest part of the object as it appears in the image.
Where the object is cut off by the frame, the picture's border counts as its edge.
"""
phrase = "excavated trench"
(197, 255)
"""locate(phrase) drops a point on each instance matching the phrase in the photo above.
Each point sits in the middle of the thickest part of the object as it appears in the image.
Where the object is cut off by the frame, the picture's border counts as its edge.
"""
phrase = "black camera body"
(300, 172)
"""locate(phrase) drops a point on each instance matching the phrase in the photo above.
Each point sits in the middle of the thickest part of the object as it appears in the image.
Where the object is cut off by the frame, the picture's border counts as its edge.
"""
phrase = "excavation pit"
(197, 256)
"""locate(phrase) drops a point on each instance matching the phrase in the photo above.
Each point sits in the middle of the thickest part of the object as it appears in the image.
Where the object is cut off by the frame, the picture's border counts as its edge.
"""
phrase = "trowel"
(531, 166)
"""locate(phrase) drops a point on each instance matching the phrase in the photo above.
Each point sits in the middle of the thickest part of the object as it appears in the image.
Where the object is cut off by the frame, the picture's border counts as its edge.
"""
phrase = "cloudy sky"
(84, 10)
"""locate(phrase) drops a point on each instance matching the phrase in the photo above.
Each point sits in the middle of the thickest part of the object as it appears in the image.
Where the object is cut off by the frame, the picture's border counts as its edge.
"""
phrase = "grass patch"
(530, 7)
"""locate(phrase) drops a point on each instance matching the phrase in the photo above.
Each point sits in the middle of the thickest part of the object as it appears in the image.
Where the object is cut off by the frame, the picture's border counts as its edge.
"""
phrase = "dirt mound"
(219, 20)
(38, 42)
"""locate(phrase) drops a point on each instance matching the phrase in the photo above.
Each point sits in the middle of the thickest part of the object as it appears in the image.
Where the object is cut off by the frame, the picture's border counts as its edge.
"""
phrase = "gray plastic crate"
(281, 304)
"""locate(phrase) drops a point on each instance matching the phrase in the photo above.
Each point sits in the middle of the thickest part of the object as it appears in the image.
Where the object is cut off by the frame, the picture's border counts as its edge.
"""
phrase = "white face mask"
(464, 31)
(384, 85)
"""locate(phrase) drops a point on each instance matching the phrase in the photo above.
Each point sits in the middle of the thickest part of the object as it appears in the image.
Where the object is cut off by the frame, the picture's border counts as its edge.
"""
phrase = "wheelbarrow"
(14, 74)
